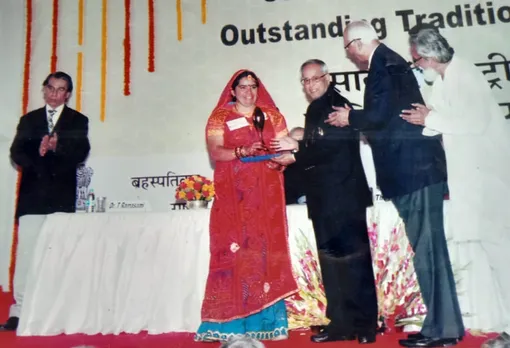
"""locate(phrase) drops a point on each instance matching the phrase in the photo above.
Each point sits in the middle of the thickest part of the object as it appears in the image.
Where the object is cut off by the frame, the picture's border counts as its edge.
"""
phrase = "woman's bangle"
(238, 152)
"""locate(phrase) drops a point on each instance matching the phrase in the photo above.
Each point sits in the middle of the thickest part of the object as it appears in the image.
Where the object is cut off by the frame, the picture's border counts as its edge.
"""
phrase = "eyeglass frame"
(350, 42)
(313, 80)
(416, 60)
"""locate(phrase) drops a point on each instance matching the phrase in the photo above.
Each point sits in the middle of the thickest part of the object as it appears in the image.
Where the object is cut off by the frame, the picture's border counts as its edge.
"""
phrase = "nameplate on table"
(129, 206)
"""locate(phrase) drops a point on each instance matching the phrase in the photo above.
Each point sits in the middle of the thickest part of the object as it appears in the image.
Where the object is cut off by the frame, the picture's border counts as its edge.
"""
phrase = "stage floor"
(298, 339)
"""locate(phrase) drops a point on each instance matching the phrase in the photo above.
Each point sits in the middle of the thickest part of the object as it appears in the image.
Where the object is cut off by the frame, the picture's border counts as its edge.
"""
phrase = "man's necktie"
(50, 119)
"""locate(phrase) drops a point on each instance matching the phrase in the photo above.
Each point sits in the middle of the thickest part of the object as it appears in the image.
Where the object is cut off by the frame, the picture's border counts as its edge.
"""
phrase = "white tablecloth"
(114, 272)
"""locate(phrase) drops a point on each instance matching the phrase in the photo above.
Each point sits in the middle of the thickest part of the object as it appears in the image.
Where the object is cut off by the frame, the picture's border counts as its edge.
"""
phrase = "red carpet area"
(298, 339)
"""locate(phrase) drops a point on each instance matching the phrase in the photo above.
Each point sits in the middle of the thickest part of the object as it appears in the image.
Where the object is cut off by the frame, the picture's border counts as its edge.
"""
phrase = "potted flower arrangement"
(196, 190)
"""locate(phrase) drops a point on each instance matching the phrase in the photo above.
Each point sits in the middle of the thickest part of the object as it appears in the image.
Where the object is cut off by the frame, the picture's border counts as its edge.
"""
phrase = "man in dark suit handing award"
(337, 195)
(411, 172)
(50, 143)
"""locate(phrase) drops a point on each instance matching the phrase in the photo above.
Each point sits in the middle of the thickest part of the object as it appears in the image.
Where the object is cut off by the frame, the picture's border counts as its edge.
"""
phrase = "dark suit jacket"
(336, 181)
(405, 160)
(48, 184)
(294, 183)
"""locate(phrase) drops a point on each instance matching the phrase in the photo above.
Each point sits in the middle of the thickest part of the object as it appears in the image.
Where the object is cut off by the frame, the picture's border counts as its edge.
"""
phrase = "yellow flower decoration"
(195, 187)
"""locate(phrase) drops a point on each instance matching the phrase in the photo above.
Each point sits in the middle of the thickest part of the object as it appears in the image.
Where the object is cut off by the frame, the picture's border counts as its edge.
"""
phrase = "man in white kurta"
(476, 139)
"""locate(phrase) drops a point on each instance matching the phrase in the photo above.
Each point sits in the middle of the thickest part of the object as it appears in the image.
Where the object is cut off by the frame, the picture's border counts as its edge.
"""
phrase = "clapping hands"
(48, 143)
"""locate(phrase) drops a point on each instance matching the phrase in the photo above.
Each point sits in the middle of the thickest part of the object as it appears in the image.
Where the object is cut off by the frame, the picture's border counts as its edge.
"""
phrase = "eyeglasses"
(350, 42)
(52, 89)
(312, 80)
(416, 60)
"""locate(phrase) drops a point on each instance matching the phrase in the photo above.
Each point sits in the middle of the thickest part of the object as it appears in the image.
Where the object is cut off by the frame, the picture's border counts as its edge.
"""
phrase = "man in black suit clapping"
(49, 145)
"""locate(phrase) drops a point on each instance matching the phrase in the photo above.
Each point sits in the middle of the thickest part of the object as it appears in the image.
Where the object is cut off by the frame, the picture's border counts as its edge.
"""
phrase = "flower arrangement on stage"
(398, 292)
(307, 307)
(195, 188)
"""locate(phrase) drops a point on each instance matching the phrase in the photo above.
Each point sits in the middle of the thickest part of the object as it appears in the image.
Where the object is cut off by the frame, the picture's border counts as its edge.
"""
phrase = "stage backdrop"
(148, 73)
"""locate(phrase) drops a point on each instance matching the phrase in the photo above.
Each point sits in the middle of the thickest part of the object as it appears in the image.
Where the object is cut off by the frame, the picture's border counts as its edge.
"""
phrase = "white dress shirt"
(56, 115)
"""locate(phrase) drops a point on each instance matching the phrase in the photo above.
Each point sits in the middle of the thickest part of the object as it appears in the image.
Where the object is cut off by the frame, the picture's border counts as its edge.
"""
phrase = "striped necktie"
(50, 119)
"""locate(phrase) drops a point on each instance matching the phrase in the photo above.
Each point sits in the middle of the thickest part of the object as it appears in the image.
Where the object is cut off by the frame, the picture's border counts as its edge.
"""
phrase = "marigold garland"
(54, 37)
(151, 67)
(204, 11)
(28, 55)
(79, 80)
(127, 47)
(104, 56)
(24, 108)
(81, 14)
(178, 7)
(79, 58)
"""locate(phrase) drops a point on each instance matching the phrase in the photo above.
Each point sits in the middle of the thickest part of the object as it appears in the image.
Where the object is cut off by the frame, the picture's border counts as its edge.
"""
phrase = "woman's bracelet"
(238, 152)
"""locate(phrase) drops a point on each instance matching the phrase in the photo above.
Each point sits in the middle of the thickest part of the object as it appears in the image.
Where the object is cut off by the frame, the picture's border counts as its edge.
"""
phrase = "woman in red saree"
(250, 268)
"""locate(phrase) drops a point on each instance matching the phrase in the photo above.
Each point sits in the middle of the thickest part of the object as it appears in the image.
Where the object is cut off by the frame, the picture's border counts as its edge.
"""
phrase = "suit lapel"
(62, 120)
(41, 121)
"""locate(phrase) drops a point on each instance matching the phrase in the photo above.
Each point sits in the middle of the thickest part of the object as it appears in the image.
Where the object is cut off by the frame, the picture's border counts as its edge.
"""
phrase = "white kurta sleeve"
(465, 105)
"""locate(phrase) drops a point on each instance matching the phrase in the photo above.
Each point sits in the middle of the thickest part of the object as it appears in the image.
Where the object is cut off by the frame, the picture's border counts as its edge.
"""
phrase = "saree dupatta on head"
(263, 97)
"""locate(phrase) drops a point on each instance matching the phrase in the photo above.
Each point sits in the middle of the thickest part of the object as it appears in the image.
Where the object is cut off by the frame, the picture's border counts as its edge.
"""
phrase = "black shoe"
(10, 325)
(366, 338)
(317, 329)
(325, 336)
(419, 336)
(415, 336)
(429, 342)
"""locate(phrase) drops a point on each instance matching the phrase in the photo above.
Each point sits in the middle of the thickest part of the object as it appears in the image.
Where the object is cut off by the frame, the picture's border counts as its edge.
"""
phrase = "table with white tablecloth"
(132, 272)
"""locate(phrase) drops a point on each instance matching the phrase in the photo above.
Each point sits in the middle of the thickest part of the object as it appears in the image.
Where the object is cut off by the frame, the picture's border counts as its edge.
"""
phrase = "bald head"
(361, 30)
(360, 40)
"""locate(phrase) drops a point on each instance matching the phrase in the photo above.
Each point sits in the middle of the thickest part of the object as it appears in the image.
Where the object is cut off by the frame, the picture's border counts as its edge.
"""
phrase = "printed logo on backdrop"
(83, 178)
(170, 180)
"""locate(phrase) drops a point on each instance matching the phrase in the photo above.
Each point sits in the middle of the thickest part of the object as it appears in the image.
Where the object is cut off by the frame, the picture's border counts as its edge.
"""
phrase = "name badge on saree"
(237, 123)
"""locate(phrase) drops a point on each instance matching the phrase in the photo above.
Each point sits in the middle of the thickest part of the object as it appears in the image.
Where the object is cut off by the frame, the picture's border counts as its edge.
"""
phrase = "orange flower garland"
(24, 108)
(54, 37)
(178, 8)
(28, 55)
(151, 35)
(79, 58)
(127, 47)
(80, 21)
(204, 13)
(79, 80)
